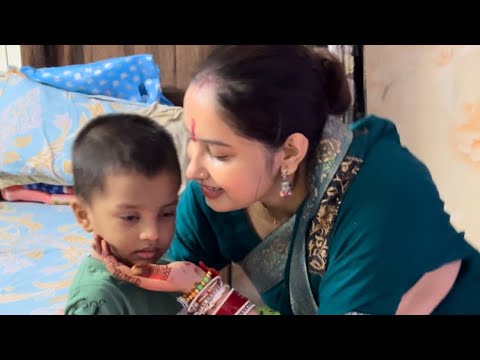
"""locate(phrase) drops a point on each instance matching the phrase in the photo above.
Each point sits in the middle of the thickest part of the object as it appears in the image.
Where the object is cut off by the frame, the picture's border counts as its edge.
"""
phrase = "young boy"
(126, 181)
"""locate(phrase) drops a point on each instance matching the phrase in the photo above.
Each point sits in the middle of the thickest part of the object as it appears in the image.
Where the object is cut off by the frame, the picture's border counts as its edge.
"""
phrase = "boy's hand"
(178, 276)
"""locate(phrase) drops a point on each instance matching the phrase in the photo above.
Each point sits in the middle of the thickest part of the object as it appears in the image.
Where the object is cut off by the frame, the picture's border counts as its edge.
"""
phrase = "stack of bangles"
(205, 297)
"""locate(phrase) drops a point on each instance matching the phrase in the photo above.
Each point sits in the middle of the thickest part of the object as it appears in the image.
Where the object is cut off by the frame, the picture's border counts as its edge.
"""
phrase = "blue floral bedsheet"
(41, 247)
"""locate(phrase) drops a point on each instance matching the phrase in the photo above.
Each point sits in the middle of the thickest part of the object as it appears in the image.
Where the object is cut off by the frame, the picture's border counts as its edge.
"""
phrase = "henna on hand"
(152, 271)
(114, 268)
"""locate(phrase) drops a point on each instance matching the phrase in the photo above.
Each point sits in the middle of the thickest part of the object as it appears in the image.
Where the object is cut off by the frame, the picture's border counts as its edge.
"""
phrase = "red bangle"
(233, 303)
(207, 269)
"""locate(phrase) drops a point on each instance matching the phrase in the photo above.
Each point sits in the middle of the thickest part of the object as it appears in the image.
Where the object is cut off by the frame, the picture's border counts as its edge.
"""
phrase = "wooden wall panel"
(188, 58)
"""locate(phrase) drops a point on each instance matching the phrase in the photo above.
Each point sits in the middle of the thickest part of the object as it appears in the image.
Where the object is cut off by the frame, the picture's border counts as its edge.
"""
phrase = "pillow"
(39, 123)
(134, 78)
(19, 193)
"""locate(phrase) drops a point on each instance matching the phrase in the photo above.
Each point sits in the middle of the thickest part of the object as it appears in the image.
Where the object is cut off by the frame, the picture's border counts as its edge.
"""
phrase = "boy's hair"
(120, 142)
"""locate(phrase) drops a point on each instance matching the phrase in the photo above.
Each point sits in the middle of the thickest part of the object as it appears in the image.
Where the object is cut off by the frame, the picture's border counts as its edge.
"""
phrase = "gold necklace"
(265, 209)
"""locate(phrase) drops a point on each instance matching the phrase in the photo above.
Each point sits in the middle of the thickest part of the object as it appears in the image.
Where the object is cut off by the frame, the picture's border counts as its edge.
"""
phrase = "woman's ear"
(295, 149)
(81, 212)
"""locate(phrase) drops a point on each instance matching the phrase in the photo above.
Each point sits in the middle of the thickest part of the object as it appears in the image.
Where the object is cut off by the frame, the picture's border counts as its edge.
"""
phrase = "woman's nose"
(194, 170)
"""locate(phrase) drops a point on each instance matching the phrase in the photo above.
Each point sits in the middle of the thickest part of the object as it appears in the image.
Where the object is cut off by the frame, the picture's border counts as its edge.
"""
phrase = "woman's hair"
(268, 92)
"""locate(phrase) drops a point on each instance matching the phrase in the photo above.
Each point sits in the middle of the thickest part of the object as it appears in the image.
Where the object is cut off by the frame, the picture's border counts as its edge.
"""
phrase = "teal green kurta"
(389, 228)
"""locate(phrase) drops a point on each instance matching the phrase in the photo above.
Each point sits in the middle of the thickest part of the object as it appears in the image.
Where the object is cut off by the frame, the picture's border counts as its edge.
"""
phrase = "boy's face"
(134, 214)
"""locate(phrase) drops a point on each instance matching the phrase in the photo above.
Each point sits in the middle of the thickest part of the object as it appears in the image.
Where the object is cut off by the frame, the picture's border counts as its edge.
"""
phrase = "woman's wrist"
(233, 303)
(201, 279)
(210, 296)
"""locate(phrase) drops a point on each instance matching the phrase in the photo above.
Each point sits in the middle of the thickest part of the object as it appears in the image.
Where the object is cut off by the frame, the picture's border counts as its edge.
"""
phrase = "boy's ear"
(80, 210)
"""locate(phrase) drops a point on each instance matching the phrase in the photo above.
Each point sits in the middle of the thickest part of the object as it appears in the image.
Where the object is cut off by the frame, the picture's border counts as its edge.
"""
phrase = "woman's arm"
(392, 235)
(429, 291)
(195, 239)
(203, 288)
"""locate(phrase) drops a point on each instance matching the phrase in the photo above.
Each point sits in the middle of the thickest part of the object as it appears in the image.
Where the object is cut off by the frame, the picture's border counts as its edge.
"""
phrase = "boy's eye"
(129, 218)
(167, 214)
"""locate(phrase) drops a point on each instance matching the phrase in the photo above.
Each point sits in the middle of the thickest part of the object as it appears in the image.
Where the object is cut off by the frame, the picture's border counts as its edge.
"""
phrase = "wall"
(9, 56)
(432, 93)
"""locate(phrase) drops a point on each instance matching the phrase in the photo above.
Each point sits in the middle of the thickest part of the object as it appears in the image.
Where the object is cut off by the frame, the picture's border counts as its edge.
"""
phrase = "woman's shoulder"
(385, 160)
(391, 185)
(393, 197)
(371, 130)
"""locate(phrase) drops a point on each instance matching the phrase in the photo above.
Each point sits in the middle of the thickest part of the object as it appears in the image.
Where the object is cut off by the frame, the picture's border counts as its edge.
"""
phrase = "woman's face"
(234, 172)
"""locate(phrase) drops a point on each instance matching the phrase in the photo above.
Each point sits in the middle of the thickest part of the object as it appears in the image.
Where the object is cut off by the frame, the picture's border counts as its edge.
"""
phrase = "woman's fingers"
(120, 271)
(105, 248)
(140, 270)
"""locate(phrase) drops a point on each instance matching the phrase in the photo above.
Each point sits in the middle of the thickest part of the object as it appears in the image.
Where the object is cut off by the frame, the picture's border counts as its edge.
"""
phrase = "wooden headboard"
(176, 62)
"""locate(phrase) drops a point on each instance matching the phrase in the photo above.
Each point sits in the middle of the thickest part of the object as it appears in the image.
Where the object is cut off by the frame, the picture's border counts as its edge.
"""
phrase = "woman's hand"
(178, 276)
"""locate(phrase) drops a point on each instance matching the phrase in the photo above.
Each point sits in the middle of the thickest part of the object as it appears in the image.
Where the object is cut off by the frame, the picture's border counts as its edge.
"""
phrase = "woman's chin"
(223, 206)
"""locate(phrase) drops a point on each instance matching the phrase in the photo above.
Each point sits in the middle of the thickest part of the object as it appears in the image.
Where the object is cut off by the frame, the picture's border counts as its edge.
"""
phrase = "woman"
(324, 218)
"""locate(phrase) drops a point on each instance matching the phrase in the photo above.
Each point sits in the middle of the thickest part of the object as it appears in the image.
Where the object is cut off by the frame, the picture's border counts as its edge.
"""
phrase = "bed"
(40, 247)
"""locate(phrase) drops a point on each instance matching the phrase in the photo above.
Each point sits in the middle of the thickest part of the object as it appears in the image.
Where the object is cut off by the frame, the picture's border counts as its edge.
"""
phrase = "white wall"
(10, 56)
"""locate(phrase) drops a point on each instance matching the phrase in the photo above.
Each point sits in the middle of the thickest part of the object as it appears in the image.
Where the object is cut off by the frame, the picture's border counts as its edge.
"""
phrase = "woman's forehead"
(201, 110)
